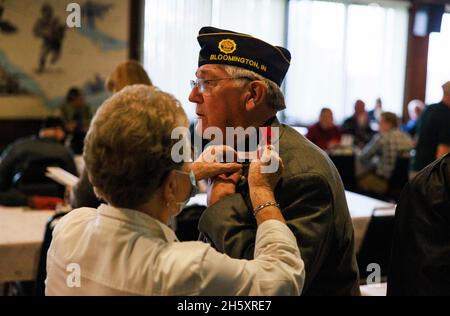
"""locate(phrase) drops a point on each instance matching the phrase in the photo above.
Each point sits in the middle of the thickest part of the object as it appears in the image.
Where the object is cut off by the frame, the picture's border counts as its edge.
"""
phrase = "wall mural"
(41, 56)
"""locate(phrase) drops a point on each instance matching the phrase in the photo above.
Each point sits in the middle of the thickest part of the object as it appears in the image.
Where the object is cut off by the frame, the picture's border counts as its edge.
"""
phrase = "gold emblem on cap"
(227, 46)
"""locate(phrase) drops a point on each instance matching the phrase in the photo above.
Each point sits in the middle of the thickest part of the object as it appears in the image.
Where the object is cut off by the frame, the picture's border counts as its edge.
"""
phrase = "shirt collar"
(140, 221)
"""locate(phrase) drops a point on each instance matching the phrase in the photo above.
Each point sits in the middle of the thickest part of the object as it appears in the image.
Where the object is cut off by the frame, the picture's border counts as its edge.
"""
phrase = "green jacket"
(312, 200)
(68, 114)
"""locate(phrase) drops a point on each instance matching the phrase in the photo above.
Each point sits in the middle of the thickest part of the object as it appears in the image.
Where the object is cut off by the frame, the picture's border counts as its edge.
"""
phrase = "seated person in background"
(77, 116)
(380, 155)
(18, 158)
(126, 73)
(433, 131)
(324, 133)
(415, 109)
(358, 125)
(128, 158)
(375, 114)
(420, 257)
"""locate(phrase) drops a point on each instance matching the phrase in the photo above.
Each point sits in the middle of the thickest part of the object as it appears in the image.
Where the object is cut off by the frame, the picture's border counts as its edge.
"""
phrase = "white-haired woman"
(125, 247)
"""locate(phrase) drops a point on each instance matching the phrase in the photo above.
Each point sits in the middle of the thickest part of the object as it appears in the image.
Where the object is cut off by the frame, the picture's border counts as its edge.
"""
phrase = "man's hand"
(209, 164)
(222, 186)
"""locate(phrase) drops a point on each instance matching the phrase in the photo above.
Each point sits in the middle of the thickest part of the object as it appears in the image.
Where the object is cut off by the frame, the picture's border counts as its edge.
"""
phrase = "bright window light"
(438, 62)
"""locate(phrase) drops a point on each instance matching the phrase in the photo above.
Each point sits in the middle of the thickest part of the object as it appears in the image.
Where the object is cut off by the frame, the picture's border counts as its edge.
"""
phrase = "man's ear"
(256, 94)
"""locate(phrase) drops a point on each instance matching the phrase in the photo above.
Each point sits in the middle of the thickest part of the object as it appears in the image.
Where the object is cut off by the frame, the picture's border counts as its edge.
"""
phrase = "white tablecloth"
(22, 232)
(79, 163)
(360, 207)
(21, 236)
(378, 289)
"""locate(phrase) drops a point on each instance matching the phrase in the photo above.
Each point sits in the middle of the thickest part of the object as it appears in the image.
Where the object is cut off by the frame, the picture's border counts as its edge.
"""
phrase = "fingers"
(234, 177)
(265, 154)
(280, 166)
(204, 170)
(268, 155)
(268, 168)
(228, 167)
(218, 168)
(218, 153)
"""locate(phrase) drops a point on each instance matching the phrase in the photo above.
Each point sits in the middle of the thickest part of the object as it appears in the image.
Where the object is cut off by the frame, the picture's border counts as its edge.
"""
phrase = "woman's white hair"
(128, 146)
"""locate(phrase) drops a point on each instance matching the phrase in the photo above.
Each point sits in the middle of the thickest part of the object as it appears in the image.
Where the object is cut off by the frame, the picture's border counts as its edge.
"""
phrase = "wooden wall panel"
(416, 65)
(12, 129)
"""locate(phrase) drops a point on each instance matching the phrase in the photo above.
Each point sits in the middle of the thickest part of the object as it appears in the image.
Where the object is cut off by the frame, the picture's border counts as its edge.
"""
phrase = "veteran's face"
(219, 103)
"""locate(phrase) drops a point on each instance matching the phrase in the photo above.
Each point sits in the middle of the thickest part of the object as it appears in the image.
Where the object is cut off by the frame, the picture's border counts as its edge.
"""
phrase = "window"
(342, 53)
(170, 45)
(171, 28)
(438, 65)
(263, 19)
(316, 76)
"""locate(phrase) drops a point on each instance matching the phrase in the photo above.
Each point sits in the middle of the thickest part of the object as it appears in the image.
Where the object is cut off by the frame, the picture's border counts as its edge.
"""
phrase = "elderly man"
(358, 125)
(238, 85)
(434, 132)
(415, 109)
(325, 133)
(375, 114)
(380, 155)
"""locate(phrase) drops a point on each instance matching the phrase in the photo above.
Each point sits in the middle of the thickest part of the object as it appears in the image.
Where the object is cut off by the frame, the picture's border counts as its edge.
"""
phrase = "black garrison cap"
(242, 50)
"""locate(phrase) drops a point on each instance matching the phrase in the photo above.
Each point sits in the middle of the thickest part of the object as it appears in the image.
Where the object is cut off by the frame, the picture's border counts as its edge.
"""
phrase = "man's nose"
(195, 96)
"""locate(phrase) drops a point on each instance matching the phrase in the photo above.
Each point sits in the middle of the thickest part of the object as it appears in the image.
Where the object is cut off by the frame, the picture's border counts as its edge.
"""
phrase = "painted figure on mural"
(92, 11)
(51, 31)
(6, 27)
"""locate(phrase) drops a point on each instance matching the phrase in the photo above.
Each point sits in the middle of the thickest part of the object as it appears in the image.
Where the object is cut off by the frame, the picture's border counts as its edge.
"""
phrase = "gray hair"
(128, 145)
(275, 98)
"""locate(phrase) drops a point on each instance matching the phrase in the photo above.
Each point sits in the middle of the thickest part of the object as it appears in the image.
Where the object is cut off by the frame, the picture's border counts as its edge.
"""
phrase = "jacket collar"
(274, 122)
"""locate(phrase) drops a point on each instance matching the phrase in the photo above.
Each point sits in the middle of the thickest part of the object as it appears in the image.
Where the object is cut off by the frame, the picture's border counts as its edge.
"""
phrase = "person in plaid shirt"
(380, 155)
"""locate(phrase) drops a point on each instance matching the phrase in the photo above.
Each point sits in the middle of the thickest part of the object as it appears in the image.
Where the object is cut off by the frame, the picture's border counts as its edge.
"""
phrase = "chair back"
(33, 181)
(42, 266)
(399, 178)
(345, 164)
(377, 241)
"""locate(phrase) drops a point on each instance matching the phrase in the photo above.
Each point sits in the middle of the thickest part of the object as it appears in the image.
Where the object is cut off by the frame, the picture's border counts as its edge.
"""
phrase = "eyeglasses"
(203, 84)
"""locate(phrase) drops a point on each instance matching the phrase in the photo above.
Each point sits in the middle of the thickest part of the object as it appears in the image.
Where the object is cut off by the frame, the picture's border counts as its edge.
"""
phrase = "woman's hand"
(209, 164)
(265, 180)
(262, 182)
(222, 186)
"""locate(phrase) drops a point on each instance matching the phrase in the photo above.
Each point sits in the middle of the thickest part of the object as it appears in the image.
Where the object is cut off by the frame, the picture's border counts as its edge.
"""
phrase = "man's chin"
(209, 132)
(200, 127)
